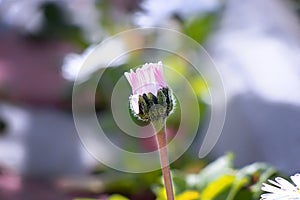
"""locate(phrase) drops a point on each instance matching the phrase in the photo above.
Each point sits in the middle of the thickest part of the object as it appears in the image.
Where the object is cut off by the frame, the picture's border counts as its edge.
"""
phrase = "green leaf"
(248, 181)
(188, 195)
(200, 27)
(179, 184)
(214, 170)
(219, 188)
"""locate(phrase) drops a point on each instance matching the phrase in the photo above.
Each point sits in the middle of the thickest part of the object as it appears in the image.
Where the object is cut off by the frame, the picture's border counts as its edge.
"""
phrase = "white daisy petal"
(285, 184)
(274, 183)
(134, 103)
(296, 180)
(273, 189)
(281, 189)
(273, 196)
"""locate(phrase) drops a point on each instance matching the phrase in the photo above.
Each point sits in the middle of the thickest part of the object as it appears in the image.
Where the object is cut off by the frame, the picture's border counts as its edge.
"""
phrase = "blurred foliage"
(219, 181)
(200, 27)
(56, 25)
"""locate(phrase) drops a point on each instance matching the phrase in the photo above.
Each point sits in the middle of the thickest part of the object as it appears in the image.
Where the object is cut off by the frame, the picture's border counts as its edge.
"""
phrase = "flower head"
(282, 189)
(149, 88)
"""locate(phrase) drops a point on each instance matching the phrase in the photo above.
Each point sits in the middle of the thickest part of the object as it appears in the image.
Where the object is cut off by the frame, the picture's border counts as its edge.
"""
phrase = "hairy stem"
(161, 138)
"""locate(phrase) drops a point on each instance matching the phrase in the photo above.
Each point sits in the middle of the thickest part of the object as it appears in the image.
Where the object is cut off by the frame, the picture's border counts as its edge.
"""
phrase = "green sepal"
(169, 99)
(143, 109)
(153, 107)
(152, 100)
(161, 98)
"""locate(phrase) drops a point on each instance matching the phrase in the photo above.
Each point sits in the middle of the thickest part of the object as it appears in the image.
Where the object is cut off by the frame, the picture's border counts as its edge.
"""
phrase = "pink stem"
(163, 152)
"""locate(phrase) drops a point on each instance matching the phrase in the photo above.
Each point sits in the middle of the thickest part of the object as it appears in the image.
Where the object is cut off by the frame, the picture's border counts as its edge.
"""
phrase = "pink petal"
(148, 78)
(158, 72)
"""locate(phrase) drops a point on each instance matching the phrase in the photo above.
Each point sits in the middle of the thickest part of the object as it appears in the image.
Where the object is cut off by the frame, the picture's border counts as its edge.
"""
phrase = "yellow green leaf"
(188, 195)
(117, 197)
(216, 187)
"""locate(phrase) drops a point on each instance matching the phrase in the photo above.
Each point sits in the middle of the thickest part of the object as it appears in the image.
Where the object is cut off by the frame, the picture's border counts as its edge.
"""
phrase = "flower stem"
(161, 139)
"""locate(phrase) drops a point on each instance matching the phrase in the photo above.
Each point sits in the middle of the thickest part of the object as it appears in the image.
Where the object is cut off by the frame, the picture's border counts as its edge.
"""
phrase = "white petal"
(274, 183)
(296, 180)
(134, 103)
(285, 184)
(272, 189)
(272, 196)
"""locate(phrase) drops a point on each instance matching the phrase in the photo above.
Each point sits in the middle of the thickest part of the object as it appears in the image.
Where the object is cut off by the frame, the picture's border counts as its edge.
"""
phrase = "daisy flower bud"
(151, 98)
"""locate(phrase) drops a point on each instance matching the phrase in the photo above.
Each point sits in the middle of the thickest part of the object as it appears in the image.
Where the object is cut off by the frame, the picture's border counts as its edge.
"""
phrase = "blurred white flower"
(282, 189)
(27, 15)
(81, 66)
(73, 62)
(85, 15)
(22, 14)
(157, 12)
